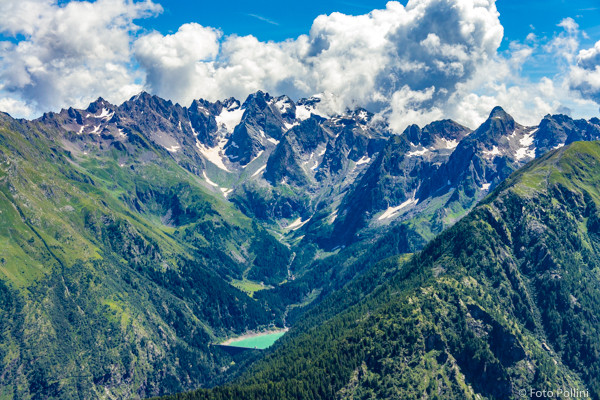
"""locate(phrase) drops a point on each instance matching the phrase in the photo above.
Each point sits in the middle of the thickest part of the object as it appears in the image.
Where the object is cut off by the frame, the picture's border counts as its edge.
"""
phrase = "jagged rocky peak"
(414, 134)
(99, 109)
(261, 126)
(500, 135)
(306, 107)
(145, 102)
(230, 104)
(258, 100)
(99, 105)
(142, 97)
(558, 130)
(499, 113)
(261, 110)
(278, 112)
(361, 115)
(447, 129)
(444, 134)
(102, 110)
(553, 131)
(310, 102)
(308, 135)
(498, 123)
(204, 107)
(285, 106)
(202, 121)
(93, 120)
(75, 114)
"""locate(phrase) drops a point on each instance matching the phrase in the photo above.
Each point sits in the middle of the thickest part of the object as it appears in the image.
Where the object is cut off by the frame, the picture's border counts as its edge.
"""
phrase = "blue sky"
(412, 61)
(267, 20)
(280, 20)
(541, 17)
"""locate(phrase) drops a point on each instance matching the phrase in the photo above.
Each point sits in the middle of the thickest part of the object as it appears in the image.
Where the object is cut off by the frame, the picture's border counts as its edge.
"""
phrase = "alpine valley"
(437, 263)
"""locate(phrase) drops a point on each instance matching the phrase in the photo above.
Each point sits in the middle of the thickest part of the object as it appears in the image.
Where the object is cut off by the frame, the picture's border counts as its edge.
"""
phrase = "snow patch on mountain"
(333, 217)
(307, 107)
(289, 126)
(363, 160)
(226, 191)
(259, 171)
(449, 144)
(417, 152)
(303, 112)
(283, 105)
(260, 153)
(208, 180)
(213, 154)
(229, 118)
(492, 153)
(204, 110)
(392, 211)
(297, 224)
(526, 150)
(192, 128)
(104, 114)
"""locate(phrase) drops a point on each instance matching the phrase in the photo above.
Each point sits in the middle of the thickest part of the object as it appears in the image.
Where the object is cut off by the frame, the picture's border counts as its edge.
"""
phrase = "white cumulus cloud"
(427, 60)
(173, 63)
(71, 53)
(584, 76)
(424, 51)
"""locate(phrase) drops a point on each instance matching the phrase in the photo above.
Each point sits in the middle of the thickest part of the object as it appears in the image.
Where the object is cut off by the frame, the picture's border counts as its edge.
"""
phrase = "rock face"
(117, 266)
(131, 229)
(400, 175)
(502, 302)
(345, 175)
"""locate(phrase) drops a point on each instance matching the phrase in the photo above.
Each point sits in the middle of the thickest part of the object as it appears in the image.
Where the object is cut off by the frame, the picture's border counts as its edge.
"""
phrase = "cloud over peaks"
(174, 62)
(426, 60)
(70, 52)
(584, 76)
(422, 50)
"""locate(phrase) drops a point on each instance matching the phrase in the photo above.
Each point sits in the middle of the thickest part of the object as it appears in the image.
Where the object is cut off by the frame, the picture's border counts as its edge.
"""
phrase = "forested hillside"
(115, 271)
(505, 301)
(134, 237)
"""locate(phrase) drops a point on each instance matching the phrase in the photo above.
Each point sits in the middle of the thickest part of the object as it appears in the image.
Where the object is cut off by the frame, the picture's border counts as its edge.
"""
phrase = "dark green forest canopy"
(122, 262)
(506, 300)
(116, 276)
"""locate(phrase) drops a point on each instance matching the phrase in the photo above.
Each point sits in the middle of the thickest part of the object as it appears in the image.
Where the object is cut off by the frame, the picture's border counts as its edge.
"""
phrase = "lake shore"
(251, 335)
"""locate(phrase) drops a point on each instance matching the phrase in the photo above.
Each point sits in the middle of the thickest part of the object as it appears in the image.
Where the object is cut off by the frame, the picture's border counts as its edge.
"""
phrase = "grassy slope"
(507, 299)
(113, 278)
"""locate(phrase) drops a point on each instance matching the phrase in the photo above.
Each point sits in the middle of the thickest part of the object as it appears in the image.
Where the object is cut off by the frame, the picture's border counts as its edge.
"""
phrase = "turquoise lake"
(258, 342)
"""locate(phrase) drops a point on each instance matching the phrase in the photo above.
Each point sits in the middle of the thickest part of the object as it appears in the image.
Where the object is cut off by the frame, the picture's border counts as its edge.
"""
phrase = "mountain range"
(503, 305)
(135, 236)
